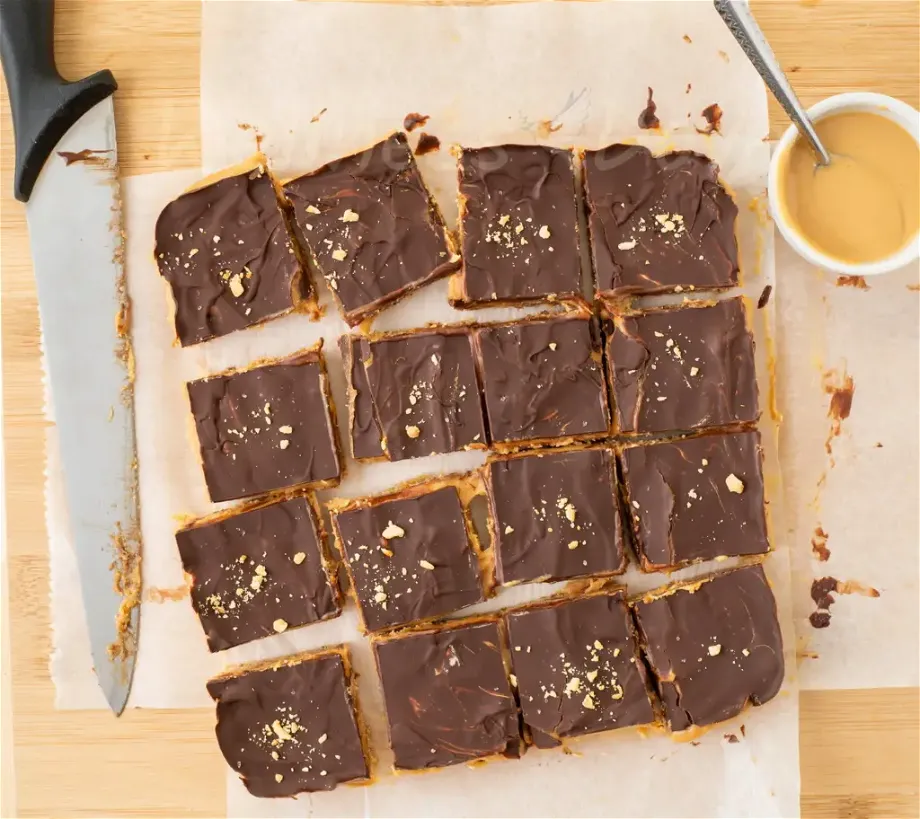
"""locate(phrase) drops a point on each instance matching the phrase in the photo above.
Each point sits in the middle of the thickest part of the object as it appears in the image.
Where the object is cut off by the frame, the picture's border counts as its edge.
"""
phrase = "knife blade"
(67, 173)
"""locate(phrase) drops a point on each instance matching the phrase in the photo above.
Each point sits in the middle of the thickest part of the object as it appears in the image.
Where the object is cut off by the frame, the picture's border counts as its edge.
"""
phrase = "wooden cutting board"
(859, 749)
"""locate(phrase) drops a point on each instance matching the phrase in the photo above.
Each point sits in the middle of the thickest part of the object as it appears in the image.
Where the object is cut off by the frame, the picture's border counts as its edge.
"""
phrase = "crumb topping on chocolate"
(290, 729)
(266, 428)
(227, 255)
(682, 369)
(409, 558)
(577, 668)
(696, 499)
(372, 227)
(658, 224)
(250, 569)
(425, 393)
(518, 224)
(555, 516)
(713, 647)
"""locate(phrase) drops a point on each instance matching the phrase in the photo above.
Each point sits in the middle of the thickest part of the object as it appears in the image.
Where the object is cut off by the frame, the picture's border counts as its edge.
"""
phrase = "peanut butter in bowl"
(859, 215)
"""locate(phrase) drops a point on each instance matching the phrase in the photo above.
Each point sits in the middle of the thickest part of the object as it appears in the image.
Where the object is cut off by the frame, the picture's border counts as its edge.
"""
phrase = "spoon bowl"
(888, 107)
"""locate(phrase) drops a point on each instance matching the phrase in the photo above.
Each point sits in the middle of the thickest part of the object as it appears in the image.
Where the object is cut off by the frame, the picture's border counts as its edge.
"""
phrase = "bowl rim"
(894, 109)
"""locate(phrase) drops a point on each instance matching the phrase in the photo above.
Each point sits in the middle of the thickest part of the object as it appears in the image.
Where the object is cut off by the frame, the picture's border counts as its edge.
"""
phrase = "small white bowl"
(895, 110)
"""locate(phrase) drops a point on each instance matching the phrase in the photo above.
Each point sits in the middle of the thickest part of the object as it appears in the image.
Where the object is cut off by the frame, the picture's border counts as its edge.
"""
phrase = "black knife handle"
(44, 105)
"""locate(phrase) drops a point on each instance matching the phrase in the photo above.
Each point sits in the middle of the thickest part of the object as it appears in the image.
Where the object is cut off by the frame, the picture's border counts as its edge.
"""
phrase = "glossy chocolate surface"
(519, 233)
(682, 369)
(290, 729)
(658, 224)
(714, 648)
(409, 558)
(577, 668)
(265, 428)
(448, 698)
(227, 255)
(543, 379)
(371, 226)
(555, 515)
(253, 569)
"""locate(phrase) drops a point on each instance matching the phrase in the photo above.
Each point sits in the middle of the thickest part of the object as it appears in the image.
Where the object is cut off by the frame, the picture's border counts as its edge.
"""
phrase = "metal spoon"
(741, 23)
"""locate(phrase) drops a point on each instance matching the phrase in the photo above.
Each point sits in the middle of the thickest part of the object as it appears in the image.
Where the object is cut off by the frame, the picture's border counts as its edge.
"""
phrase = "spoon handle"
(741, 23)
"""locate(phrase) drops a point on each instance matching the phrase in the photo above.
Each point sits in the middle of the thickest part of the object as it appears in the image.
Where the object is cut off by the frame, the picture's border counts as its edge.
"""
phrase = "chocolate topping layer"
(409, 558)
(658, 224)
(542, 379)
(713, 648)
(696, 499)
(447, 696)
(554, 515)
(226, 253)
(266, 428)
(253, 569)
(372, 227)
(577, 668)
(518, 224)
(362, 423)
(683, 369)
(425, 392)
(290, 729)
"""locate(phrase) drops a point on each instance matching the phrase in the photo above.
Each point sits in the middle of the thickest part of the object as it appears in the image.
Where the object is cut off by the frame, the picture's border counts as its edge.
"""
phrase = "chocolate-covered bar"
(425, 392)
(518, 227)
(683, 368)
(696, 499)
(658, 224)
(577, 667)
(447, 695)
(259, 571)
(224, 248)
(268, 427)
(543, 380)
(411, 554)
(363, 428)
(554, 515)
(290, 726)
(372, 227)
(714, 646)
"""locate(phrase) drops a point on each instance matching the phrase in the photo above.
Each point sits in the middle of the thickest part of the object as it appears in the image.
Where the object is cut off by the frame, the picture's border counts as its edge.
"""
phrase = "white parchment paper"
(862, 493)
(485, 75)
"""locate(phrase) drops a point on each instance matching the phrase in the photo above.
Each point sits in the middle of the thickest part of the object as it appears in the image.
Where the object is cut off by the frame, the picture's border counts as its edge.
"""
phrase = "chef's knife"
(66, 173)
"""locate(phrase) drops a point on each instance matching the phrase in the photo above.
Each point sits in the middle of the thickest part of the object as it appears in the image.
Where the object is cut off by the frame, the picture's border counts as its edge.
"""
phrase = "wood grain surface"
(859, 749)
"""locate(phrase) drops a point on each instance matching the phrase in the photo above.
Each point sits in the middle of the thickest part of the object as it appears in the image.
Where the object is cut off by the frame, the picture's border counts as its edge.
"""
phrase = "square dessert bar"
(554, 515)
(714, 646)
(224, 248)
(363, 429)
(268, 427)
(447, 695)
(259, 571)
(411, 554)
(518, 226)
(290, 726)
(696, 499)
(658, 224)
(543, 381)
(425, 392)
(372, 227)
(577, 667)
(681, 369)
